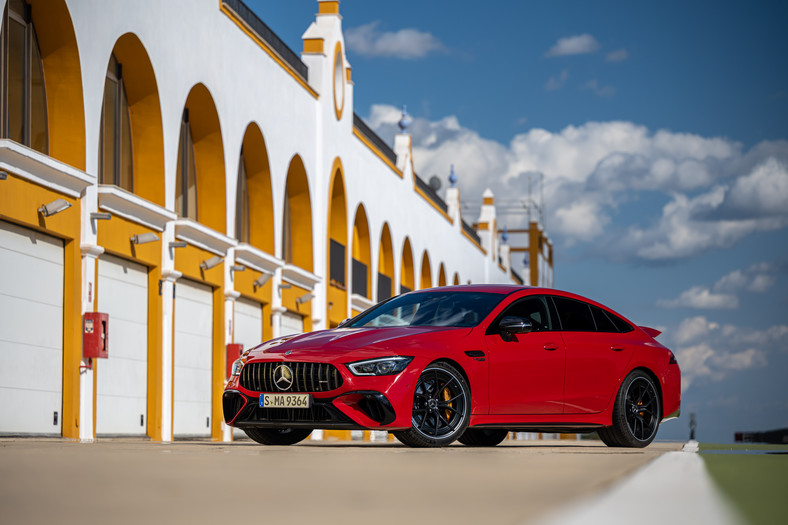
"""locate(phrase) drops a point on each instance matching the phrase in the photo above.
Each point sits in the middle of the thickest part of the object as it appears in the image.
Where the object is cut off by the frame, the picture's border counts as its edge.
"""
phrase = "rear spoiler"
(652, 332)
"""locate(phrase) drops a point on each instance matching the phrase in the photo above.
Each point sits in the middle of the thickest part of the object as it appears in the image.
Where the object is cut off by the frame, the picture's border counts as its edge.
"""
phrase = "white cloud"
(762, 192)
(409, 43)
(574, 45)
(702, 298)
(600, 91)
(592, 169)
(556, 83)
(706, 349)
(755, 278)
(618, 55)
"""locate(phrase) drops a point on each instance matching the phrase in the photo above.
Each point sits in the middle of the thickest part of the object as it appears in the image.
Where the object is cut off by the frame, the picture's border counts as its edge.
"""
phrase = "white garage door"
(193, 352)
(292, 324)
(31, 331)
(122, 382)
(248, 323)
(248, 332)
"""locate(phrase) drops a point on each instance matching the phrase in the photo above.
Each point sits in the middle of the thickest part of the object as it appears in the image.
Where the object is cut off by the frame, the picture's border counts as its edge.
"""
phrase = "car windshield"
(457, 309)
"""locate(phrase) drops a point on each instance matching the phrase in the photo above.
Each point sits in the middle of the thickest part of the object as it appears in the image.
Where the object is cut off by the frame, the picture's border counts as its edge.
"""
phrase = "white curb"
(673, 489)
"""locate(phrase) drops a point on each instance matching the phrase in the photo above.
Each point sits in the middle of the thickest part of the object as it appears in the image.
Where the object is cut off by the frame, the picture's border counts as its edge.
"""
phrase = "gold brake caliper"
(446, 397)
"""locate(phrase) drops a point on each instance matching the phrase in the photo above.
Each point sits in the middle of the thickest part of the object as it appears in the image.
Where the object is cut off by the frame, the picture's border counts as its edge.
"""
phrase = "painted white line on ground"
(673, 489)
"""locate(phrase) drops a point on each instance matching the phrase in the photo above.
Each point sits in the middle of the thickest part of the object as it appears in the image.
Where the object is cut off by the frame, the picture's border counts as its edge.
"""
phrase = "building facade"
(177, 167)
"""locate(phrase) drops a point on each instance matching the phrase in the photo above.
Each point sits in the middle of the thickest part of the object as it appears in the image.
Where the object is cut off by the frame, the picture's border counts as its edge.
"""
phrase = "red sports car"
(465, 363)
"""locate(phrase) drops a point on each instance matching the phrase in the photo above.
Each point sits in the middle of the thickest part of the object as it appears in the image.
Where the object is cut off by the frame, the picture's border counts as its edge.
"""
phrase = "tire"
(606, 437)
(278, 436)
(441, 408)
(636, 413)
(482, 437)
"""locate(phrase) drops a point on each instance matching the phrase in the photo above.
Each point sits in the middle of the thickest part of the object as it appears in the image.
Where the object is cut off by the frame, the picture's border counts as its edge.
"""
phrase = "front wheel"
(441, 408)
(278, 436)
(636, 413)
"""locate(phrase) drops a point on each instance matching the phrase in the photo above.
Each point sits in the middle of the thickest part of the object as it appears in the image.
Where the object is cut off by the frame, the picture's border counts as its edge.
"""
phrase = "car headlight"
(238, 365)
(383, 366)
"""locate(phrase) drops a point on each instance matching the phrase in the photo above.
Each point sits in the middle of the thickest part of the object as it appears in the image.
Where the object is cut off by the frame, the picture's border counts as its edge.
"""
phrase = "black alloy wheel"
(441, 408)
(636, 414)
(278, 436)
(482, 437)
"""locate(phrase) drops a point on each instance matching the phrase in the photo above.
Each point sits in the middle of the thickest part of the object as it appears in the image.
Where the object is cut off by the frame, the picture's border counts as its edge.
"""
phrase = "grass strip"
(755, 483)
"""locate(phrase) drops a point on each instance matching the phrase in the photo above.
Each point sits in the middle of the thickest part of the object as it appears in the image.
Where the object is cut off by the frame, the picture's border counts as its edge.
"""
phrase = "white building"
(176, 166)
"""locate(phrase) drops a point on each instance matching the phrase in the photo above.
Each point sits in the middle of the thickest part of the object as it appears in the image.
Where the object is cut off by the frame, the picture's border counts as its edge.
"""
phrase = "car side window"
(575, 315)
(603, 322)
(533, 308)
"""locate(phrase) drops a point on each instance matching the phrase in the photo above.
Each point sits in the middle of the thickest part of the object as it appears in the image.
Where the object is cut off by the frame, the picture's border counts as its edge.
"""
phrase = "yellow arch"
(208, 158)
(426, 272)
(407, 277)
(147, 133)
(297, 249)
(361, 246)
(258, 179)
(386, 259)
(63, 78)
(336, 298)
(456, 279)
(442, 275)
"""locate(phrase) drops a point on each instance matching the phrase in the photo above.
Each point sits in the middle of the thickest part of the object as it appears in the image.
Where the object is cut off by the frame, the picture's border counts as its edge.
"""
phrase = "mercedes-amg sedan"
(466, 363)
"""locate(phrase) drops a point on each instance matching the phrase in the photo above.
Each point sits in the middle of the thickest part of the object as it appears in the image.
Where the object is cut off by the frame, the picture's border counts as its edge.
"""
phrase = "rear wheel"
(278, 436)
(482, 437)
(441, 408)
(636, 413)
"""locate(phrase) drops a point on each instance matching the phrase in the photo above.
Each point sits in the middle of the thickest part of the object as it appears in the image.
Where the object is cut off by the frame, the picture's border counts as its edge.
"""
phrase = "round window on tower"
(339, 82)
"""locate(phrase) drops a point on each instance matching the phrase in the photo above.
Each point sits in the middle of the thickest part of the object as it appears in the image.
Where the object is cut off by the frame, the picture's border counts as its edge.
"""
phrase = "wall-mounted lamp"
(264, 278)
(210, 263)
(3, 175)
(237, 268)
(285, 286)
(178, 244)
(305, 298)
(144, 238)
(100, 216)
(56, 206)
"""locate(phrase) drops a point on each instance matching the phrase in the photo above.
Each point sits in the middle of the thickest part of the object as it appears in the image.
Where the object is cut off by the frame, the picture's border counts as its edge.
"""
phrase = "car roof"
(504, 289)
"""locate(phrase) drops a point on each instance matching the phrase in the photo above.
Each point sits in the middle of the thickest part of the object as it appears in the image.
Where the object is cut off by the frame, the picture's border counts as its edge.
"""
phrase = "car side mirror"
(511, 325)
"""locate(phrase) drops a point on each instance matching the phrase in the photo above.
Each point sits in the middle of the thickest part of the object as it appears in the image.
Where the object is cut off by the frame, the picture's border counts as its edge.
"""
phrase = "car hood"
(361, 342)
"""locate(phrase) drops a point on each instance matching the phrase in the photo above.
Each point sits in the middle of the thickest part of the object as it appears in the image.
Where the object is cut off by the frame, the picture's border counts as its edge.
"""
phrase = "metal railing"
(432, 194)
(373, 137)
(268, 36)
(471, 232)
(517, 276)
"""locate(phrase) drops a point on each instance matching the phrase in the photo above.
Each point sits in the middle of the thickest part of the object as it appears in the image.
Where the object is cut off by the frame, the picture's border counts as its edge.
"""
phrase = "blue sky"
(661, 129)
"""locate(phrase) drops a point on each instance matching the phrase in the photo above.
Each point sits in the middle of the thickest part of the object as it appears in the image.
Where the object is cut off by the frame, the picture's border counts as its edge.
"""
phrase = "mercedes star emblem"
(283, 377)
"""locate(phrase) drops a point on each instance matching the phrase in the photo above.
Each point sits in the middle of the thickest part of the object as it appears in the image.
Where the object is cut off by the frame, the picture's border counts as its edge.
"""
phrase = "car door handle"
(617, 348)
(551, 346)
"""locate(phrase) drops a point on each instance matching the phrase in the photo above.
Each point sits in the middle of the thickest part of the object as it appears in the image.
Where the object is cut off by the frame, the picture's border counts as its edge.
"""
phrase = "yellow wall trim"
(489, 200)
(473, 241)
(349, 74)
(377, 152)
(265, 47)
(435, 206)
(313, 45)
(329, 8)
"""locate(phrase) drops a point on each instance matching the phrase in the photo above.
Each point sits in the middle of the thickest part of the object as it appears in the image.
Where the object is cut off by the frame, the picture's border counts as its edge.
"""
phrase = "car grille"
(307, 377)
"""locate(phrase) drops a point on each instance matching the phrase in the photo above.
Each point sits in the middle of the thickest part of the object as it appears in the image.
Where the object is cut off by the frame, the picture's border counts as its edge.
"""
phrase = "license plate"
(285, 400)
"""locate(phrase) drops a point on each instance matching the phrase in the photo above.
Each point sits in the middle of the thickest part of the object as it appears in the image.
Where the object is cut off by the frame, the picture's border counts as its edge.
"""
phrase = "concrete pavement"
(129, 481)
